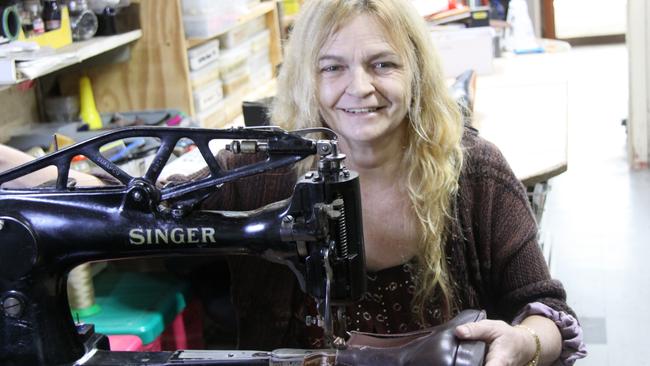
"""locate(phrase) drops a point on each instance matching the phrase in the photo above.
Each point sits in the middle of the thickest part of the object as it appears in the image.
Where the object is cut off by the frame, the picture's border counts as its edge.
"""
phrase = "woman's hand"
(508, 345)
(11, 158)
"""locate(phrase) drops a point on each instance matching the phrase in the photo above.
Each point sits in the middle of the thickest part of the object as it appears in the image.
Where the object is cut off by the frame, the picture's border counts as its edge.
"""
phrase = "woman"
(447, 226)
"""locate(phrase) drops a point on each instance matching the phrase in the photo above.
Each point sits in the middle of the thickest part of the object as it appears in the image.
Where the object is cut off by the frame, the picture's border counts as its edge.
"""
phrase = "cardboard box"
(464, 49)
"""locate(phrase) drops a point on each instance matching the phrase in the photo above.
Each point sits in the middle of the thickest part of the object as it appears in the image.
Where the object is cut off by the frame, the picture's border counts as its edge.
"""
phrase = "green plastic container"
(141, 304)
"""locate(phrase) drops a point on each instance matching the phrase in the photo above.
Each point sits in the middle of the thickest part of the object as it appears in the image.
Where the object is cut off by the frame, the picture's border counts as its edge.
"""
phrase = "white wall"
(535, 11)
(638, 42)
(584, 18)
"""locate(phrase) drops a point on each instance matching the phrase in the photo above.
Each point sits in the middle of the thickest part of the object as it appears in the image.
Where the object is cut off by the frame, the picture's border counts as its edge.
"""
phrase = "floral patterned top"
(386, 306)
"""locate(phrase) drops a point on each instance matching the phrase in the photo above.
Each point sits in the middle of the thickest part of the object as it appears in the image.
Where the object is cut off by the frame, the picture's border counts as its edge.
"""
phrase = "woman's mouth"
(361, 110)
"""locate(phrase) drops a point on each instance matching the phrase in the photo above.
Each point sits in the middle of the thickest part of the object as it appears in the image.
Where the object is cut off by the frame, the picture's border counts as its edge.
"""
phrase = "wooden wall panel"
(273, 24)
(548, 19)
(156, 75)
(18, 107)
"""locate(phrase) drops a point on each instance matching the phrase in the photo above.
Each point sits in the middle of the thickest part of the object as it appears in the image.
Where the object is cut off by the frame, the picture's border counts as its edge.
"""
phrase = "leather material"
(319, 359)
(431, 346)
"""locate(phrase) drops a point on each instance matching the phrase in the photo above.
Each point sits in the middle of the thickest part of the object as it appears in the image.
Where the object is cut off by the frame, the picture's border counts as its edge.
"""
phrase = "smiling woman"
(371, 74)
(363, 85)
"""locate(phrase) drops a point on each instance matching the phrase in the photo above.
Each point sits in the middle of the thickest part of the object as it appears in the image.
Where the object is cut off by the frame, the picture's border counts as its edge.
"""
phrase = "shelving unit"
(264, 8)
(19, 100)
(69, 55)
(232, 104)
(157, 75)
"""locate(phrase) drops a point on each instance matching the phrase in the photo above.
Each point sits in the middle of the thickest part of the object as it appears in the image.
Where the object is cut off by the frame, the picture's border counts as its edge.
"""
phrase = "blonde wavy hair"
(433, 154)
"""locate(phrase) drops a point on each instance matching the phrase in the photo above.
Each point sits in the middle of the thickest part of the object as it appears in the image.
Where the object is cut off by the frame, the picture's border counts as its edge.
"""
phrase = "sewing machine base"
(99, 354)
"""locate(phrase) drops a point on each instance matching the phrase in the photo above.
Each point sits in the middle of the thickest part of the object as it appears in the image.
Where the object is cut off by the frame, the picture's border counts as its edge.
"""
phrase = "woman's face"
(364, 85)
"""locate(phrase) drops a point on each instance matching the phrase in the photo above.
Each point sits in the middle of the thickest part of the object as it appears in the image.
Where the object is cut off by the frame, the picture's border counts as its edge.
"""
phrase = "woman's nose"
(360, 83)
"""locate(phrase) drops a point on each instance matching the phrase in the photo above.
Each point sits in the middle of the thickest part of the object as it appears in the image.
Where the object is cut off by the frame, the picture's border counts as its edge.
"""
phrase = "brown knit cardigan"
(493, 254)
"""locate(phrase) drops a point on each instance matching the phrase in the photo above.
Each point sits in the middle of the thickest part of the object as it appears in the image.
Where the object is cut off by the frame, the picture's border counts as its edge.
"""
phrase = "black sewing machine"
(47, 231)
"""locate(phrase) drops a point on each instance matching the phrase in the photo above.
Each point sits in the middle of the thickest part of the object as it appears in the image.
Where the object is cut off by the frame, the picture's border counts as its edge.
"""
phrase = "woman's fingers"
(506, 345)
(486, 330)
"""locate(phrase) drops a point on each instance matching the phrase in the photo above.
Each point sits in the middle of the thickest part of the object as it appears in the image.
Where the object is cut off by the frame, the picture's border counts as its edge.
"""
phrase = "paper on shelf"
(14, 54)
(22, 65)
(7, 71)
(17, 49)
(35, 68)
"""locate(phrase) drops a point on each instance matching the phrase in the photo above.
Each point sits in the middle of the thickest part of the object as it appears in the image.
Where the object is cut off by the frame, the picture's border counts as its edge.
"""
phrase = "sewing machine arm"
(46, 232)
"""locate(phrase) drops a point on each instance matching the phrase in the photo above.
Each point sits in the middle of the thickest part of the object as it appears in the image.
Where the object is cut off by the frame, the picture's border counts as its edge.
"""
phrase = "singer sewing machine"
(47, 231)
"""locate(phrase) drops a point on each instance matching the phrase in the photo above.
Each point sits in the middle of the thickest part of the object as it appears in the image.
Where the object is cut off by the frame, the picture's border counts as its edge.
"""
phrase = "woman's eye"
(384, 65)
(330, 68)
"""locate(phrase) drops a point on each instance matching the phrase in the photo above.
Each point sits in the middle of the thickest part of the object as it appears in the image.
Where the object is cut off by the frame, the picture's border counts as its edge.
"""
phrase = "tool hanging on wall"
(10, 22)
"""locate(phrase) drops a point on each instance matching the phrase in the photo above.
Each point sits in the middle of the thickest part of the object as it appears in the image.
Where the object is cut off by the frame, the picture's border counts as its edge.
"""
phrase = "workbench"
(522, 107)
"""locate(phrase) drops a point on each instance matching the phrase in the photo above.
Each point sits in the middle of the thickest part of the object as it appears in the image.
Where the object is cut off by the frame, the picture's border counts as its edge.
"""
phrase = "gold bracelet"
(538, 345)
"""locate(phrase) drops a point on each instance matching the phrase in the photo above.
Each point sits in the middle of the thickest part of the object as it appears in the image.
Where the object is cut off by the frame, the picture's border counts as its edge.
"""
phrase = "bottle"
(34, 9)
(25, 20)
(51, 15)
(38, 26)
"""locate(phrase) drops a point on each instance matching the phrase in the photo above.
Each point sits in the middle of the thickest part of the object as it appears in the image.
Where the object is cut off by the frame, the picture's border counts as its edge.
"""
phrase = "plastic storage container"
(260, 40)
(236, 81)
(239, 35)
(205, 75)
(125, 342)
(258, 60)
(231, 61)
(140, 304)
(184, 332)
(208, 24)
(203, 55)
(198, 7)
(207, 96)
(261, 75)
(214, 117)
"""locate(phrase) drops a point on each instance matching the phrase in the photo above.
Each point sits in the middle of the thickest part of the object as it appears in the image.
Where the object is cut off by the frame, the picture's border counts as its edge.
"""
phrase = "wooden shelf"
(70, 55)
(158, 76)
(259, 10)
